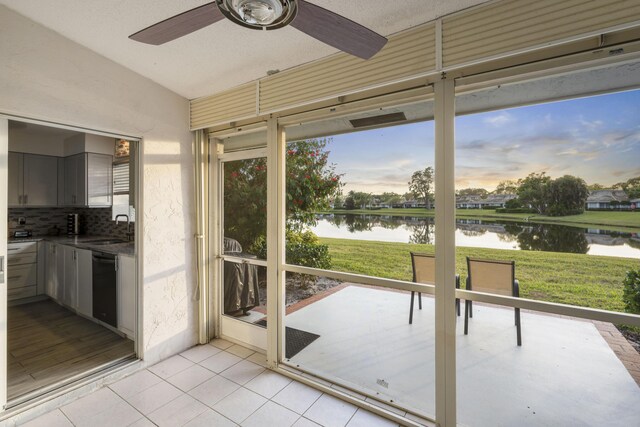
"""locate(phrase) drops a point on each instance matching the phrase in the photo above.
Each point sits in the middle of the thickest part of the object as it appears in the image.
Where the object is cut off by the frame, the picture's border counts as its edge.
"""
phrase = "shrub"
(302, 248)
(513, 204)
(631, 292)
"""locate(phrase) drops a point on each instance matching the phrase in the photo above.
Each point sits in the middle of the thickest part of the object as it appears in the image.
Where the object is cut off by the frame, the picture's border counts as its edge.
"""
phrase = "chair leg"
(458, 306)
(470, 308)
(467, 306)
(518, 326)
(420, 300)
(411, 309)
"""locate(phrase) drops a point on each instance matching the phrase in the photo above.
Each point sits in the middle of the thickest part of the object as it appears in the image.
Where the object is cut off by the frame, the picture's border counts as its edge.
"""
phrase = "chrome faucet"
(129, 235)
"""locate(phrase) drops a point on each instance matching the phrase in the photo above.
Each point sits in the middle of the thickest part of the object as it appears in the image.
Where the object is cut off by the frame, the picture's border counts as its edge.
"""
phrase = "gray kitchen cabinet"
(75, 181)
(99, 180)
(84, 282)
(88, 180)
(126, 303)
(51, 270)
(15, 179)
(42, 266)
(22, 270)
(33, 180)
(70, 292)
(54, 268)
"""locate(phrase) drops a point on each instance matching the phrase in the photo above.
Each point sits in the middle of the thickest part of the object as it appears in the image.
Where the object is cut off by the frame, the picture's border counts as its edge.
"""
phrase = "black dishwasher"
(105, 288)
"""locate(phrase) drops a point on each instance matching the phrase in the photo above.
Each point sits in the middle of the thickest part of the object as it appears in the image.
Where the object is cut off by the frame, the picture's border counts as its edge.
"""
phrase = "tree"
(421, 185)
(566, 196)
(389, 198)
(631, 187)
(349, 203)
(473, 192)
(361, 199)
(311, 184)
(311, 181)
(506, 187)
(596, 187)
(533, 190)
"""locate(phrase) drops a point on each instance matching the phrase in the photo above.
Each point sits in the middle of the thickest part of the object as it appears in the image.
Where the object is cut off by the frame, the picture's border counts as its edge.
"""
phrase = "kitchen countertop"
(83, 242)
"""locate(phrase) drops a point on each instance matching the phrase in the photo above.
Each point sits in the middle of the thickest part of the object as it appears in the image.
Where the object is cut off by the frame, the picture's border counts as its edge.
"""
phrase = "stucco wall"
(45, 76)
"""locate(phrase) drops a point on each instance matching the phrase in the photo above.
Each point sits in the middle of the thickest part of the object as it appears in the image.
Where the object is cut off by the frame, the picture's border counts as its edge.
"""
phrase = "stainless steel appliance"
(105, 288)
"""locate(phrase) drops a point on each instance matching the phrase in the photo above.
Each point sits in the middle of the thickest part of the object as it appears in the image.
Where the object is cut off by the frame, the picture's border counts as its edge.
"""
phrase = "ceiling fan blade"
(179, 25)
(337, 31)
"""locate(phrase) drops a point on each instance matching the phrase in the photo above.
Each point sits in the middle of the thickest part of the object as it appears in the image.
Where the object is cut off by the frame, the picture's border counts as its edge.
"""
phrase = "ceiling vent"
(378, 120)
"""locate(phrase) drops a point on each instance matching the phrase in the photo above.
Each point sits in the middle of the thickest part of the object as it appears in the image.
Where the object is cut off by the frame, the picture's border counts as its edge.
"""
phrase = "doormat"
(296, 339)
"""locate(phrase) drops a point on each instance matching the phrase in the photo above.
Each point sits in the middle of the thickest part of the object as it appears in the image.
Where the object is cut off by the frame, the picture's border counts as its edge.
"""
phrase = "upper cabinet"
(75, 180)
(33, 180)
(88, 180)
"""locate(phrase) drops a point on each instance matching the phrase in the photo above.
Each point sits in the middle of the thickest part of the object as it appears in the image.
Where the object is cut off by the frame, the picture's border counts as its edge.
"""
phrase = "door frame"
(4, 169)
(227, 327)
(60, 387)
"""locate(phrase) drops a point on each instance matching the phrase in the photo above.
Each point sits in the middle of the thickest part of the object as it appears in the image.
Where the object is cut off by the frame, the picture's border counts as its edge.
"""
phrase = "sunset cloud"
(596, 138)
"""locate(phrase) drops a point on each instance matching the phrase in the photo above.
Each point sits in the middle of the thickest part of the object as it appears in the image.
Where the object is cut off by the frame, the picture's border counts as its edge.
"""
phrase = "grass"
(576, 279)
(617, 221)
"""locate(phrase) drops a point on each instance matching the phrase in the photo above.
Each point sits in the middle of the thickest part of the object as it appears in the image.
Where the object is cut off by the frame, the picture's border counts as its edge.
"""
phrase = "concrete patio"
(565, 373)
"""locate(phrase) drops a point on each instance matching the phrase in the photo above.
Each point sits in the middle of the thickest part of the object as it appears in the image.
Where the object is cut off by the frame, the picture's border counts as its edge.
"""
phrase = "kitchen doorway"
(70, 304)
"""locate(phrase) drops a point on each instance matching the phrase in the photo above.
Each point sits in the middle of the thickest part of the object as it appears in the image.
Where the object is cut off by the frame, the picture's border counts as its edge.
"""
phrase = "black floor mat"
(297, 340)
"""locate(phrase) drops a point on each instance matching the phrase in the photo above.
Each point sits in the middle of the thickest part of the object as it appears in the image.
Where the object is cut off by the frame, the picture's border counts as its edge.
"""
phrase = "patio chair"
(424, 271)
(492, 277)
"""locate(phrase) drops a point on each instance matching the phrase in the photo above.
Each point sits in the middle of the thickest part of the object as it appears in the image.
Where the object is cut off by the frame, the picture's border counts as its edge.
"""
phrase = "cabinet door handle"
(26, 197)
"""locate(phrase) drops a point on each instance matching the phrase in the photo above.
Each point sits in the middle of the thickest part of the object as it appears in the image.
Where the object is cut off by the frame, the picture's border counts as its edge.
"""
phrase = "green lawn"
(621, 221)
(583, 280)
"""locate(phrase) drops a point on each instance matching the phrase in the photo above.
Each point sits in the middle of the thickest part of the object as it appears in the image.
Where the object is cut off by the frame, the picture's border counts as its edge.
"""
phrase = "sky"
(595, 138)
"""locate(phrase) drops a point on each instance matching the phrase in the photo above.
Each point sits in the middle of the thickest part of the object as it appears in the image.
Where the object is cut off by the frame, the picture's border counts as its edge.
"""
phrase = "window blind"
(120, 179)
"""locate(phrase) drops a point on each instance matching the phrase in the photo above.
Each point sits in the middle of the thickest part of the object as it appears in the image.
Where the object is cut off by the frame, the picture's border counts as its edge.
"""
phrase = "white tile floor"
(220, 384)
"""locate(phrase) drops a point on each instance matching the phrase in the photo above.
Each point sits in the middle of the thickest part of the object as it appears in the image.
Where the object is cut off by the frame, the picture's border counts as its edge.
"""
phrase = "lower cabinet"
(127, 295)
(70, 283)
(68, 276)
(84, 282)
(22, 270)
(68, 279)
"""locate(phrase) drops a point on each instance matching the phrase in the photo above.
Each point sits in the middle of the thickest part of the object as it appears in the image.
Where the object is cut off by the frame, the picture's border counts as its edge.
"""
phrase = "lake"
(483, 234)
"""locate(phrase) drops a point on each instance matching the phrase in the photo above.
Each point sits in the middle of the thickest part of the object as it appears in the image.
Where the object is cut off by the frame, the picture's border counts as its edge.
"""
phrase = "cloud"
(590, 124)
(499, 120)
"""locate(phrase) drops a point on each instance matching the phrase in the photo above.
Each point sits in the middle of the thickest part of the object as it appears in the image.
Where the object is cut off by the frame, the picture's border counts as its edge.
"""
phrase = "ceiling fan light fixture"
(259, 14)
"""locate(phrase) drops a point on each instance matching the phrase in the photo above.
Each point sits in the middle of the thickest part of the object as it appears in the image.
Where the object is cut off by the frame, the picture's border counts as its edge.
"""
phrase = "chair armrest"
(516, 288)
(457, 281)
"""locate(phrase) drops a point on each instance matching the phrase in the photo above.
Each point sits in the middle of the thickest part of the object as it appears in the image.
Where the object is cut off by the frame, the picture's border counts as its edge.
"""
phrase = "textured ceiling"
(220, 56)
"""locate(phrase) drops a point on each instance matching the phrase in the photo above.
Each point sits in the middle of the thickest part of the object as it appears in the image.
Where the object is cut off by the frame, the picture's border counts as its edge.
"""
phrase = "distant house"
(477, 202)
(635, 203)
(498, 200)
(608, 200)
(468, 202)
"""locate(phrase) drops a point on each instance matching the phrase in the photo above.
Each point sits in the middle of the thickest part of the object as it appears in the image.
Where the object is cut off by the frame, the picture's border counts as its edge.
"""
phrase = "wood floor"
(48, 343)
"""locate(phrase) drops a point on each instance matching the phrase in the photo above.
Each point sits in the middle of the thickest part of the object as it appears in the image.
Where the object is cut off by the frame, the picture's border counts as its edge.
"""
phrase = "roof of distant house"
(604, 196)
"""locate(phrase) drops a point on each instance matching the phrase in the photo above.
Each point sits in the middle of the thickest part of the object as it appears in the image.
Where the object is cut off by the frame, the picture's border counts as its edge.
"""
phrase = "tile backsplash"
(44, 221)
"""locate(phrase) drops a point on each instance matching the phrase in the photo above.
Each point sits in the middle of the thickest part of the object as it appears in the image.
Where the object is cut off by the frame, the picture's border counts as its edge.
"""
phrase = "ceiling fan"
(321, 24)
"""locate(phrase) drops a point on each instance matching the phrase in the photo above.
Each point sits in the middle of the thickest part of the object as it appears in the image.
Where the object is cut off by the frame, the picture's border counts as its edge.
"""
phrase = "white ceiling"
(220, 56)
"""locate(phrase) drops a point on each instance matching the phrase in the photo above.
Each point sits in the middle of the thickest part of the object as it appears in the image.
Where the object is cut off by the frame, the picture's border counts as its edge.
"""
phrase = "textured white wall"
(45, 76)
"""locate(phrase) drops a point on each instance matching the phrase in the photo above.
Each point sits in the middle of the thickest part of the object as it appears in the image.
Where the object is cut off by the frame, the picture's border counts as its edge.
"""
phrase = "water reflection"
(482, 233)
